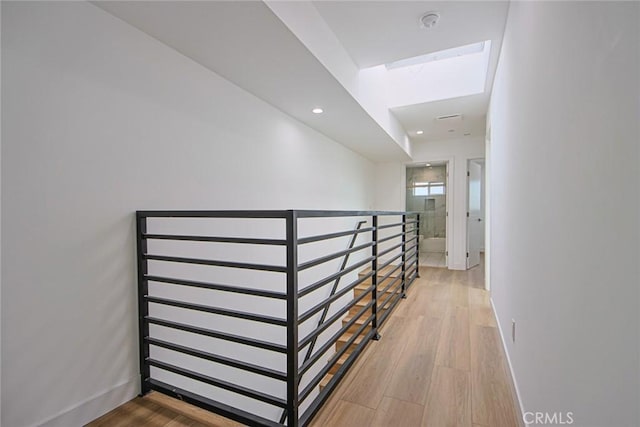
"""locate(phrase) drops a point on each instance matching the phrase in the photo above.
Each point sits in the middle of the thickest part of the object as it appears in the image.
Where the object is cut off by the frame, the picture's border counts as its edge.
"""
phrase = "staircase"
(359, 290)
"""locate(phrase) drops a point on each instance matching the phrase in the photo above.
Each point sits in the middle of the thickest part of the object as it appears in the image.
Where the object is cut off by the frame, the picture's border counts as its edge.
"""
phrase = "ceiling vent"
(449, 118)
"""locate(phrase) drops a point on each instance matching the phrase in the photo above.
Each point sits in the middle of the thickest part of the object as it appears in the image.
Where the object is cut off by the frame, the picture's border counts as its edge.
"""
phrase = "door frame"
(484, 213)
(449, 167)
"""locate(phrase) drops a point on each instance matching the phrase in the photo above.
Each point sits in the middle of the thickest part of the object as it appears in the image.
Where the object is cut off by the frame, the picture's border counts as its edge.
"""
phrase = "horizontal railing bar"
(328, 214)
(386, 276)
(329, 321)
(276, 214)
(244, 391)
(411, 255)
(210, 405)
(335, 255)
(389, 285)
(218, 263)
(309, 313)
(412, 222)
(392, 248)
(333, 277)
(310, 239)
(243, 240)
(217, 287)
(391, 295)
(386, 263)
(411, 247)
(411, 271)
(337, 377)
(389, 238)
(386, 314)
(334, 338)
(282, 376)
(382, 227)
(213, 214)
(316, 380)
(217, 310)
(219, 335)
(410, 279)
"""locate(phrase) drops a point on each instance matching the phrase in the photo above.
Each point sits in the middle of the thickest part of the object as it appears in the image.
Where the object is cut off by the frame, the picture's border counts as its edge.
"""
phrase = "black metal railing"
(235, 311)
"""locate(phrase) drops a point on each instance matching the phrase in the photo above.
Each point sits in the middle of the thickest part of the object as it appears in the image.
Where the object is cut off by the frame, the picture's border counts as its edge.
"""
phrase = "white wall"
(100, 120)
(1, 133)
(457, 152)
(565, 229)
(390, 186)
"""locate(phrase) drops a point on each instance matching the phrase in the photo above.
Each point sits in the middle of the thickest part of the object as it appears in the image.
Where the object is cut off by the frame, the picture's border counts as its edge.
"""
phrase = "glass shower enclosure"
(426, 193)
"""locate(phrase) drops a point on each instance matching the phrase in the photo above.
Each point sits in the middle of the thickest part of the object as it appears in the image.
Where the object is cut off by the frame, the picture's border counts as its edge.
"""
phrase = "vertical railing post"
(418, 245)
(292, 318)
(143, 304)
(404, 256)
(374, 277)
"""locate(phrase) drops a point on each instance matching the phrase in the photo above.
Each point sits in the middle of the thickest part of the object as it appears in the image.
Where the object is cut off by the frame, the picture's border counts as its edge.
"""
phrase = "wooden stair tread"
(382, 272)
(360, 305)
(364, 287)
(360, 320)
(347, 336)
(325, 381)
(363, 302)
(339, 363)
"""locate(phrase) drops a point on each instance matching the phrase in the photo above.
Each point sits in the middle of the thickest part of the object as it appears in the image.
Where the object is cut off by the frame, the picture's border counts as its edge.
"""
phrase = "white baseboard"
(95, 406)
(453, 266)
(504, 348)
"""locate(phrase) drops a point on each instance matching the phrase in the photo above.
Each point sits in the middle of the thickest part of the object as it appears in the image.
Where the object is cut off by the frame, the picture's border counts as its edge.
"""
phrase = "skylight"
(438, 56)
(446, 74)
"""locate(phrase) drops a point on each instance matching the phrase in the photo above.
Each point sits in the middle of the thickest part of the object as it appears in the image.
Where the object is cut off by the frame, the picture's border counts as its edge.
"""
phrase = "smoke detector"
(429, 19)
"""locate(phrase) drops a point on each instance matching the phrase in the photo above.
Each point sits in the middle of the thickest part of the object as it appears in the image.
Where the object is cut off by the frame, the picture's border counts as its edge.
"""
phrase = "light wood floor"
(439, 363)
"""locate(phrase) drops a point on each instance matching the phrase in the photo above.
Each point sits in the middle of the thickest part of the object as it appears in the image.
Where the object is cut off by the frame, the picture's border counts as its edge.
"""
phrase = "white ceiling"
(246, 43)
(473, 109)
(380, 32)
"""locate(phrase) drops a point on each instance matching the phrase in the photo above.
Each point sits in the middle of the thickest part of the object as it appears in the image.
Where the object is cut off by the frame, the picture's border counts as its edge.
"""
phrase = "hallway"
(440, 362)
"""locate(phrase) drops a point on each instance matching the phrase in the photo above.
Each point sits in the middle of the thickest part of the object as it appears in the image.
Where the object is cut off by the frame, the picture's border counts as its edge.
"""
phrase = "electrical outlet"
(513, 330)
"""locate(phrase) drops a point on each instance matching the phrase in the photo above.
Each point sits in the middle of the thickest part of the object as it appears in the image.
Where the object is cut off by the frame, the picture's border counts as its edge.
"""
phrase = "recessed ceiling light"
(467, 134)
(429, 19)
(419, 132)
(452, 130)
(428, 164)
(317, 110)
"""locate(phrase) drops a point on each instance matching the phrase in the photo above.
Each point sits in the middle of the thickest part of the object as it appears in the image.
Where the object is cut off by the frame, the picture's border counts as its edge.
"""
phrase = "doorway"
(427, 194)
(475, 211)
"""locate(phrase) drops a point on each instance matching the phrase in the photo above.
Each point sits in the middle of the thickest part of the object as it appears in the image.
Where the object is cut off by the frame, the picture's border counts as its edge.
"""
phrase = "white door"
(474, 214)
